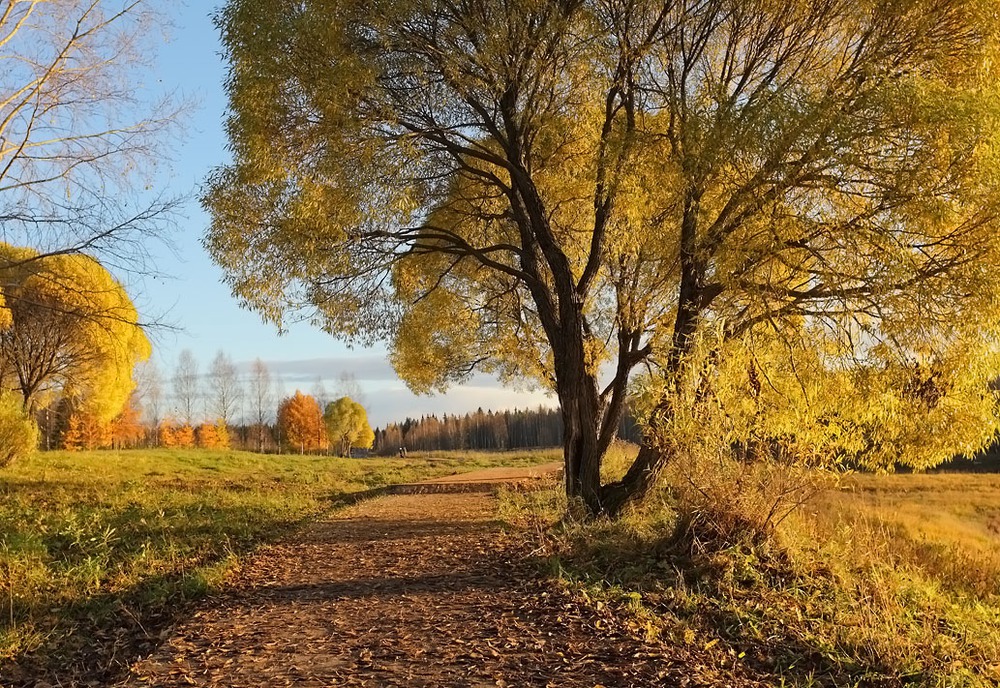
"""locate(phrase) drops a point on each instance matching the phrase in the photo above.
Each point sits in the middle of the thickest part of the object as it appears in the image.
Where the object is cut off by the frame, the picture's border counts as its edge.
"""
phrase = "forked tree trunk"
(638, 482)
(583, 459)
(693, 297)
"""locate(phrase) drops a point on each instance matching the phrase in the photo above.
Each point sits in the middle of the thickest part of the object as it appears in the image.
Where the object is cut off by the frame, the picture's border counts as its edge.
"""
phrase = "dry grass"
(885, 581)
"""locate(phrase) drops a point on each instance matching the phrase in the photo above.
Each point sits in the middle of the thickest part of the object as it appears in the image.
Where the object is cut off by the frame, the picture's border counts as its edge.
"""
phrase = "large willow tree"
(573, 191)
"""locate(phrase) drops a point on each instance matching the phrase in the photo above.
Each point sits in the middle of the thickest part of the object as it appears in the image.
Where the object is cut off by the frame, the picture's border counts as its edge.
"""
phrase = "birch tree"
(187, 386)
(149, 387)
(261, 391)
(224, 387)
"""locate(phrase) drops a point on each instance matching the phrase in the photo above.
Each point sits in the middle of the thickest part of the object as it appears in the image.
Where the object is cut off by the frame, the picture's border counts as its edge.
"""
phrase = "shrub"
(18, 433)
(212, 436)
(174, 435)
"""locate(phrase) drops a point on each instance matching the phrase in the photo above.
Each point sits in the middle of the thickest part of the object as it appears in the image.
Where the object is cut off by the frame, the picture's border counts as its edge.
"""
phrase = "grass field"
(96, 547)
(883, 581)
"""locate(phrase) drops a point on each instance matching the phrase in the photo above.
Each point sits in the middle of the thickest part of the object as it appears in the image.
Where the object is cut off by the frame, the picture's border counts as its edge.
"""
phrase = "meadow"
(878, 580)
(99, 551)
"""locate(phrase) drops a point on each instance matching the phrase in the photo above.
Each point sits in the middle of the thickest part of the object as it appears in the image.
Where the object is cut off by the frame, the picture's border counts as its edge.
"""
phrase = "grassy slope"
(888, 581)
(89, 540)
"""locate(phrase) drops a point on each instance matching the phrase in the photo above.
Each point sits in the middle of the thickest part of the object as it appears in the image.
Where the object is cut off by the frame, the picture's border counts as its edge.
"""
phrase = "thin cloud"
(372, 367)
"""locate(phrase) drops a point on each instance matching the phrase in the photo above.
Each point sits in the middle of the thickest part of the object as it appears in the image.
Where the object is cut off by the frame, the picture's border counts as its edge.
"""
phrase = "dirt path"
(405, 590)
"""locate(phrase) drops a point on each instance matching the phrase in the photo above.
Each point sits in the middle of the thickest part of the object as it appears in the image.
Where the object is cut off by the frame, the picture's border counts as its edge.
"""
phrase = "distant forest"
(484, 430)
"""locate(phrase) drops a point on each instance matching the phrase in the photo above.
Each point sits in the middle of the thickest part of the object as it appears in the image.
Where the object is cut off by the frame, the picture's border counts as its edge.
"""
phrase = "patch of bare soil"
(408, 590)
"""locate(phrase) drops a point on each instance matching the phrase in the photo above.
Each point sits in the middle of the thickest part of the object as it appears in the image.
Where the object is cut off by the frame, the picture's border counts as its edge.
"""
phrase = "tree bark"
(581, 410)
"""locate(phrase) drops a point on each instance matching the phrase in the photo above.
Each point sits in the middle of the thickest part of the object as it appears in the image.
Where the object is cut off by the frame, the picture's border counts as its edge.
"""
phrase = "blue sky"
(191, 296)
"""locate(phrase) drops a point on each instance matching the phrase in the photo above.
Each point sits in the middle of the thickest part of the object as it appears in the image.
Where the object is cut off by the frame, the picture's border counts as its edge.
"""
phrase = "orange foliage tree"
(174, 435)
(86, 431)
(126, 429)
(166, 434)
(82, 428)
(72, 437)
(212, 435)
(184, 435)
(300, 421)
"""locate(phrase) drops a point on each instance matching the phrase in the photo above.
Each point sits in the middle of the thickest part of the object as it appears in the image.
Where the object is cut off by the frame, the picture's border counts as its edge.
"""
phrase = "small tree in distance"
(261, 393)
(300, 422)
(225, 388)
(187, 388)
(347, 425)
(212, 435)
(126, 429)
(172, 434)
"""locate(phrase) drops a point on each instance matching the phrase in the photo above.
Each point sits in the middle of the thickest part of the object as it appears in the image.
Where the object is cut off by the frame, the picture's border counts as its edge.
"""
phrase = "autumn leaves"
(70, 338)
(305, 427)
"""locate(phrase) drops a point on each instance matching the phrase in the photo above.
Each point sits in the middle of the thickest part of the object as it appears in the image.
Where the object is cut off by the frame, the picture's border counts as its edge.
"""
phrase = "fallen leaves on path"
(409, 590)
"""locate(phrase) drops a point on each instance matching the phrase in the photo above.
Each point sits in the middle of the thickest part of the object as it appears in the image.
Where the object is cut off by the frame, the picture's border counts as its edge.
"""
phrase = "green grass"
(91, 538)
(884, 581)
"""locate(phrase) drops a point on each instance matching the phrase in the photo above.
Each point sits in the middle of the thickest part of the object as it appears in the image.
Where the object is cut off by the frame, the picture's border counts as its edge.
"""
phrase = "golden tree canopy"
(300, 421)
(347, 424)
(73, 332)
(569, 192)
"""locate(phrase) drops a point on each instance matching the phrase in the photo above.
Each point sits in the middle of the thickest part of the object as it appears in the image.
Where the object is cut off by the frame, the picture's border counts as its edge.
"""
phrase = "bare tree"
(186, 387)
(261, 398)
(347, 386)
(149, 387)
(319, 392)
(78, 140)
(225, 388)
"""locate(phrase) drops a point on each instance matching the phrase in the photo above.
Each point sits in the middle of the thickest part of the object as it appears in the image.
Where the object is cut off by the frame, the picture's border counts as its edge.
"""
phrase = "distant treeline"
(483, 430)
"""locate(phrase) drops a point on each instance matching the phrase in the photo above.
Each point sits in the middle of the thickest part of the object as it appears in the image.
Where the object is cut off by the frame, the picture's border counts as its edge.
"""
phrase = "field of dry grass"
(946, 524)
(883, 580)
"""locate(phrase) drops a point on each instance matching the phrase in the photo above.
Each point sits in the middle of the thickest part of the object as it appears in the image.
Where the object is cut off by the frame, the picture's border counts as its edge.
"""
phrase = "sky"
(190, 295)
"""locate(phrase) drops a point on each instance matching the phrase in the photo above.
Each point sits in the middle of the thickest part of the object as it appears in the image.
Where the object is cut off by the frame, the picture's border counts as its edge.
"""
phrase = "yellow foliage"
(85, 431)
(212, 435)
(768, 397)
(18, 433)
(184, 436)
(74, 331)
(175, 435)
(346, 423)
(126, 428)
(787, 214)
(6, 317)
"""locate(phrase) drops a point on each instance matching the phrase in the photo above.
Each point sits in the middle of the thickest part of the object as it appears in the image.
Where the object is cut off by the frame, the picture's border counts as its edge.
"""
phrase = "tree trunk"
(581, 453)
(638, 482)
(650, 462)
(582, 414)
